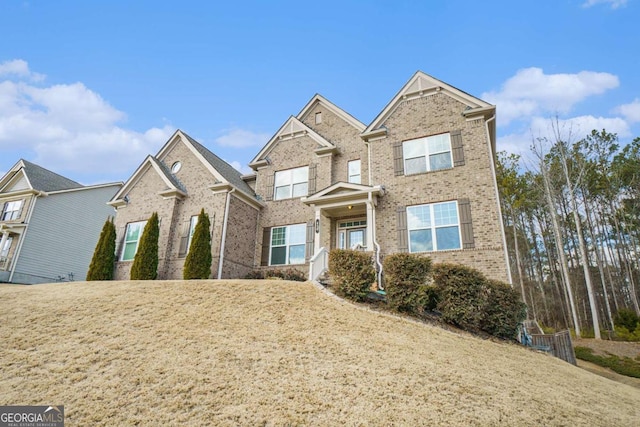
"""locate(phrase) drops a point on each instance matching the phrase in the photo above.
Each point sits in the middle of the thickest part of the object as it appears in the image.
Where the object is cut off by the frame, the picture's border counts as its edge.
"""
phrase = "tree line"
(572, 221)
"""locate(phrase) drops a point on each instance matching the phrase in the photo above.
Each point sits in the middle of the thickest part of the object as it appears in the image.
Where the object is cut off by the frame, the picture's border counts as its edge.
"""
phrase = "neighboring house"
(420, 178)
(177, 183)
(49, 224)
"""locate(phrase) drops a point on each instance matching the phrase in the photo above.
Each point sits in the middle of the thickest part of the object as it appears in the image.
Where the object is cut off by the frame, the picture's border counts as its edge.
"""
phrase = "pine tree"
(104, 256)
(145, 263)
(198, 262)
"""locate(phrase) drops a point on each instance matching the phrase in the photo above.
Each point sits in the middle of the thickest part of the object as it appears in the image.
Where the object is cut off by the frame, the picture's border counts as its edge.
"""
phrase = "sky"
(89, 89)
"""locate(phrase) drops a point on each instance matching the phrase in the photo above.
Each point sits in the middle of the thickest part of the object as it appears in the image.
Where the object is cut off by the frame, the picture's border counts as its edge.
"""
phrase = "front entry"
(352, 234)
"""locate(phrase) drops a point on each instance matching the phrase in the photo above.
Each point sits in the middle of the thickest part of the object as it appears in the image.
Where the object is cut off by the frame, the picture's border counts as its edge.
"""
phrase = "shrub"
(352, 272)
(626, 318)
(623, 334)
(286, 274)
(145, 263)
(462, 295)
(104, 256)
(503, 310)
(197, 265)
(406, 283)
(624, 366)
(255, 274)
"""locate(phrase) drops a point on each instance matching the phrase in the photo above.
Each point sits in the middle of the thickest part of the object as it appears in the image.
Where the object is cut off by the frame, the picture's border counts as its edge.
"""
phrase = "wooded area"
(572, 222)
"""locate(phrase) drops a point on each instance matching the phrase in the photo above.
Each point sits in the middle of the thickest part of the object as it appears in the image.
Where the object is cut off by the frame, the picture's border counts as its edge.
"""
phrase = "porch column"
(317, 230)
(370, 208)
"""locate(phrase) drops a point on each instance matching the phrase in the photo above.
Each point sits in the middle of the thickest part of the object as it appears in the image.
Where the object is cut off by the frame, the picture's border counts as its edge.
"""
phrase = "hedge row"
(352, 273)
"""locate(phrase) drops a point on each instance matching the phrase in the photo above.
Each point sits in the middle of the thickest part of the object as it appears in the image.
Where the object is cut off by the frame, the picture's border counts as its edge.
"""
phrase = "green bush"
(624, 334)
(406, 278)
(623, 366)
(145, 263)
(352, 273)
(104, 256)
(626, 318)
(503, 310)
(197, 265)
(462, 295)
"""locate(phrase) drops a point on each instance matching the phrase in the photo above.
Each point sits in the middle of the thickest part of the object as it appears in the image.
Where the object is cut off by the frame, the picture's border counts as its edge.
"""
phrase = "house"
(419, 178)
(180, 180)
(49, 224)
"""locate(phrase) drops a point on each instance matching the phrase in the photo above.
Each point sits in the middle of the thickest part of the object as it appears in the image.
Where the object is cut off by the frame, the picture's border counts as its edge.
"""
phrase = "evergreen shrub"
(352, 273)
(407, 283)
(145, 263)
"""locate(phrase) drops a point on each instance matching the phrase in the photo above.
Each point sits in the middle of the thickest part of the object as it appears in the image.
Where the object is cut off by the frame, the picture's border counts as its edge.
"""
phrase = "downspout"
(224, 232)
(369, 163)
(495, 186)
(16, 255)
(375, 242)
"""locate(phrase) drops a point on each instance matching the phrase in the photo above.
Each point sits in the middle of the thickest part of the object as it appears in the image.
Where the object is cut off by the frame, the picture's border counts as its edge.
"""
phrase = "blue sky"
(88, 89)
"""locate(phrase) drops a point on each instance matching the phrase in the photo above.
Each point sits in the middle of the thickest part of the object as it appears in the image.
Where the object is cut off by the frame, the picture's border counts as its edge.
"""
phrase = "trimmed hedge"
(352, 273)
(406, 282)
(462, 296)
(503, 310)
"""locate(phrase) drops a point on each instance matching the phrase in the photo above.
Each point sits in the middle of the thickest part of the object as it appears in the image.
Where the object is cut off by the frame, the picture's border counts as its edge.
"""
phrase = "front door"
(351, 234)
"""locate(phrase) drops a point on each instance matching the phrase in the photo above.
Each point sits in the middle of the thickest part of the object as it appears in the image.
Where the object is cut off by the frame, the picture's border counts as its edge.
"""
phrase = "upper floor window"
(291, 183)
(427, 154)
(287, 245)
(131, 239)
(433, 227)
(11, 210)
(354, 171)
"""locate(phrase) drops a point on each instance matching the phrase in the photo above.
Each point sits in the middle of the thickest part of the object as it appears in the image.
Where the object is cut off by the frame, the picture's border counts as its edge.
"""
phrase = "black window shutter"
(402, 229)
(398, 160)
(269, 189)
(457, 152)
(266, 242)
(120, 242)
(184, 239)
(313, 171)
(309, 245)
(466, 224)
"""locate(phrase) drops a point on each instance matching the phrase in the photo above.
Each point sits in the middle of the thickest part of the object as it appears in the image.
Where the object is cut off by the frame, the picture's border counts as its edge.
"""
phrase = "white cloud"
(19, 68)
(69, 127)
(572, 129)
(245, 170)
(240, 138)
(630, 111)
(614, 3)
(532, 92)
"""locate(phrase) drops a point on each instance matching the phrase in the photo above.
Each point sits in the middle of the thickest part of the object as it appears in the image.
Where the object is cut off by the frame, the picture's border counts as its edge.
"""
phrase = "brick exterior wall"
(426, 116)
(175, 214)
(241, 239)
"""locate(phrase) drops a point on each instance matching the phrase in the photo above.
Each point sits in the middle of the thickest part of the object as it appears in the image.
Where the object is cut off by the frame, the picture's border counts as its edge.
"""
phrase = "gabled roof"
(39, 178)
(343, 191)
(319, 99)
(292, 128)
(174, 187)
(422, 84)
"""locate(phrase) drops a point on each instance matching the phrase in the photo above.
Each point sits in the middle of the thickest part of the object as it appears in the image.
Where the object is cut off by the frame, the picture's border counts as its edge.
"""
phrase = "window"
(175, 167)
(4, 250)
(291, 183)
(131, 239)
(287, 245)
(427, 154)
(192, 228)
(354, 171)
(433, 227)
(11, 210)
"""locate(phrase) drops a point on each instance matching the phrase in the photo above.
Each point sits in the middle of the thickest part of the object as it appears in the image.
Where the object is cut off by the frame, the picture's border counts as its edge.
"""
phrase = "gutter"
(375, 242)
(224, 232)
(495, 186)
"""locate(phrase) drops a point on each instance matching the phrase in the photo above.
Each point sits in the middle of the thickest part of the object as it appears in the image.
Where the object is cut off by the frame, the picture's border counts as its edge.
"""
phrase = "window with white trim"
(11, 210)
(192, 228)
(353, 168)
(287, 244)
(291, 183)
(4, 251)
(427, 154)
(433, 227)
(131, 239)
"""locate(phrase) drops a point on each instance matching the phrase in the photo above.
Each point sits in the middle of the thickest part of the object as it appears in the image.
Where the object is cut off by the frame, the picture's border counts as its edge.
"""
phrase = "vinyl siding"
(62, 235)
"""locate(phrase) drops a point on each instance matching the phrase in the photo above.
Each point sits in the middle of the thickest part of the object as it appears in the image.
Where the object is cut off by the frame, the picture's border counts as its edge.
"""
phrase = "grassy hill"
(273, 353)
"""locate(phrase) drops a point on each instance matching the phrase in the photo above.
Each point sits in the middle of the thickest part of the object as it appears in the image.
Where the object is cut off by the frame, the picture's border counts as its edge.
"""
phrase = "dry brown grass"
(273, 353)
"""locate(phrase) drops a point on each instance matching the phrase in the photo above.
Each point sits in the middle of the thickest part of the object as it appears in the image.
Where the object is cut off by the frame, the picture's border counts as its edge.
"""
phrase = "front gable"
(15, 181)
(422, 85)
(341, 191)
(319, 103)
(293, 128)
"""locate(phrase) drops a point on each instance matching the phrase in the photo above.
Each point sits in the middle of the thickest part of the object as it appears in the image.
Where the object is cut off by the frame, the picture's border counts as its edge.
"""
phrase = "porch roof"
(343, 193)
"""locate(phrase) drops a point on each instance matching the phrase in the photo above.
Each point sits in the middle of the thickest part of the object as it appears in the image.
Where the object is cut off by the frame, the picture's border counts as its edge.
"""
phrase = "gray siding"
(62, 235)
